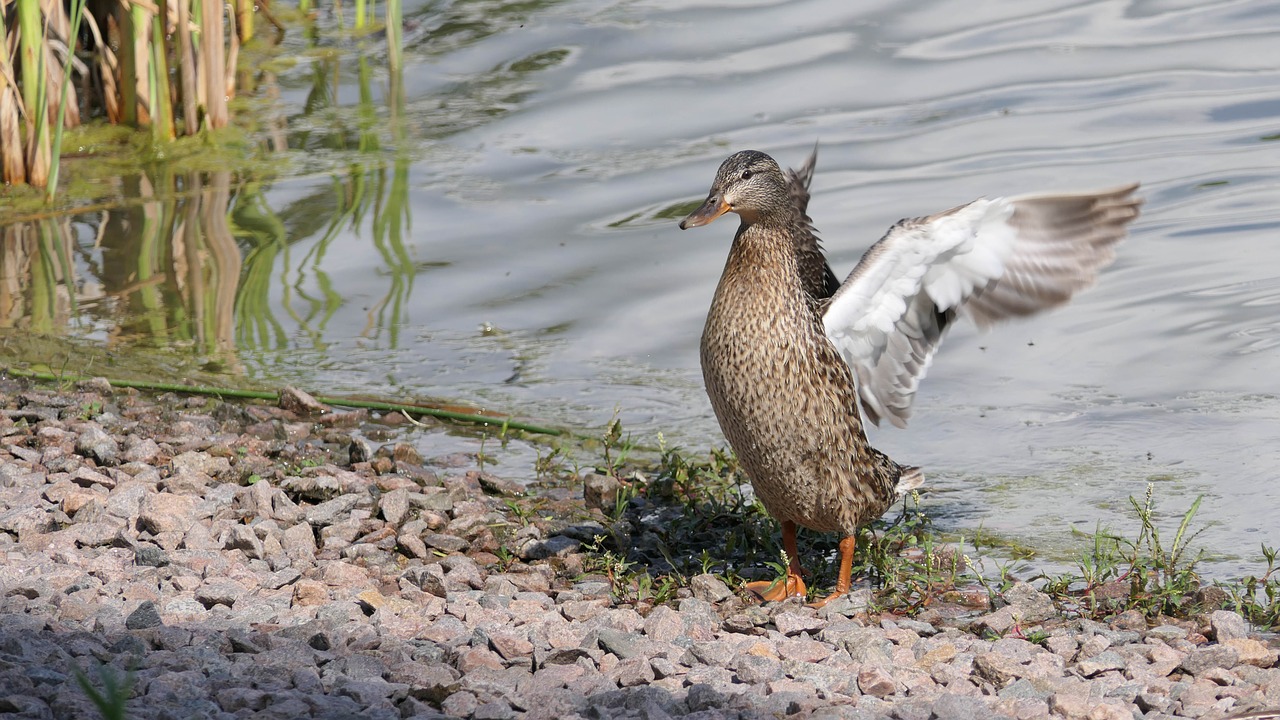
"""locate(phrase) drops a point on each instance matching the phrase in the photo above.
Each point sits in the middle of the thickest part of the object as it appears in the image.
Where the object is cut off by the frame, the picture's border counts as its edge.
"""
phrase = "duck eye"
(746, 174)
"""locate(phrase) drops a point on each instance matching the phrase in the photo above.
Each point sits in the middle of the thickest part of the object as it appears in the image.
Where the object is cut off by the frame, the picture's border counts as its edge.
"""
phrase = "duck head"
(748, 183)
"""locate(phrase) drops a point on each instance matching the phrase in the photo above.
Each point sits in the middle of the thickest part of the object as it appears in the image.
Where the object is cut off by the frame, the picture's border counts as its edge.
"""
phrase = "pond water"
(521, 254)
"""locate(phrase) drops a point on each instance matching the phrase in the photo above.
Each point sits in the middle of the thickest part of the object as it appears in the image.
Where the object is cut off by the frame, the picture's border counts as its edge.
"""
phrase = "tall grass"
(166, 66)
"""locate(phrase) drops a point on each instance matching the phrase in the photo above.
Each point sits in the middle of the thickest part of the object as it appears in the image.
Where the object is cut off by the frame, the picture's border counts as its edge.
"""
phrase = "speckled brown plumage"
(784, 397)
(784, 341)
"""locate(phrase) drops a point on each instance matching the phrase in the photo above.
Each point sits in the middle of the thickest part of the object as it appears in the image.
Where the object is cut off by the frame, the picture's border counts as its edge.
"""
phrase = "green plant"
(506, 558)
(1146, 573)
(617, 448)
(1257, 597)
(112, 699)
(522, 512)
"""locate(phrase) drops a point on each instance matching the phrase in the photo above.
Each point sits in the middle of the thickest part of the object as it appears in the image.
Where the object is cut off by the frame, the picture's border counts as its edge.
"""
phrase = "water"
(538, 269)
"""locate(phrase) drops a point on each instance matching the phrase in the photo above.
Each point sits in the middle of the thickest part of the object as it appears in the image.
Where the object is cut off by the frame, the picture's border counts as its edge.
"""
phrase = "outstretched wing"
(989, 260)
(819, 280)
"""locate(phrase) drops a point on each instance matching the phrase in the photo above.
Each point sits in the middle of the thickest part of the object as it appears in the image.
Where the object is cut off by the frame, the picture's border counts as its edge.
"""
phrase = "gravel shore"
(275, 562)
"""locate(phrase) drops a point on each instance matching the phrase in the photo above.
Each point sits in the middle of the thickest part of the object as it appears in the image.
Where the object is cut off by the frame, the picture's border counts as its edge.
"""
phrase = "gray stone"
(704, 697)
(430, 578)
(331, 511)
(1225, 625)
(96, 443)
(864, 645)
(601, 491)
(394, 506)
(299, 542)
(144, 616)
(622, 644)
(876, 681)
(709, 588)
(792, 623)
(301, 402)
(1100, 663)
(1167, 632)
(445, 542)
(202, 463)
(757, 670)
(219, 591)
(1029, 604)
(140, 449)
(554, 546)
(1213, 656)
(243, 538)
(166, 512)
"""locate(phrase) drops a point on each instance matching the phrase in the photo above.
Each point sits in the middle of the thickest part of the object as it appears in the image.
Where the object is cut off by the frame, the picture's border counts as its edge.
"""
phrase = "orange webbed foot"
(780, 589)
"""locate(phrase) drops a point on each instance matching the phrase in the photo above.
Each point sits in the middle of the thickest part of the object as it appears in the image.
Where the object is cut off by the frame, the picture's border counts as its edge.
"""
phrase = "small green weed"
(1145, 573)
(112, 699)
(1257, 597)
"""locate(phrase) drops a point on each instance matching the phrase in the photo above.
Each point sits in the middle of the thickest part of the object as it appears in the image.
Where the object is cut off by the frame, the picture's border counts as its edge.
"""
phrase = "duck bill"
(714, 207)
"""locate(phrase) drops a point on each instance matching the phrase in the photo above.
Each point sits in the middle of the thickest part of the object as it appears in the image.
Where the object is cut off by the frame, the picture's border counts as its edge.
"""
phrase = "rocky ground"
(279, 562)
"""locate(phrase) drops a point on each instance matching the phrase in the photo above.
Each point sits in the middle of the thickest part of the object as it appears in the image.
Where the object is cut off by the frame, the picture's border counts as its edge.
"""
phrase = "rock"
(997, 669)
(1252, 652)
(299, 542)
(1070, 705)
(1029, 605)
(554, 546)
(1214, 656)
(219, 591)
(664, 624)
(302, 403)
(619, 643)
(445, 542)
(959, 707)
(94, 442)
(1100, 663)
(709, 588)
(140, 450)
(328, 512)
(149, 555)
(790, 623)
(601, 492)
(876, 681)
(88, 477)
(144, 616)
(201, 463)
(242, 538)
(394, 506)
(757, 670)
(495, 485)
(165, 512)
(309, 593)
(1225, 625)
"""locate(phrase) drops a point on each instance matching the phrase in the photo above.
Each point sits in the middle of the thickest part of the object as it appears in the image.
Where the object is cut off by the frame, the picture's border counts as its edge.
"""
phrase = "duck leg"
(791, 585)
(847, 546)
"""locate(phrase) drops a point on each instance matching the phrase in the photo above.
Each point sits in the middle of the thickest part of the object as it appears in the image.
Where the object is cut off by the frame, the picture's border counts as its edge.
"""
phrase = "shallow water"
(538, 269)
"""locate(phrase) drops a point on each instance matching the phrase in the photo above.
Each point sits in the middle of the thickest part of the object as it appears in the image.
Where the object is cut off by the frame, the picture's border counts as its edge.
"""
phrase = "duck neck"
(764, 256)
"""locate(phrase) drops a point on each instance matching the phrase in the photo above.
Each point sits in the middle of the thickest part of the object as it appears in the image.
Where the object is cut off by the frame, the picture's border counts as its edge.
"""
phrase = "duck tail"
(910, 479)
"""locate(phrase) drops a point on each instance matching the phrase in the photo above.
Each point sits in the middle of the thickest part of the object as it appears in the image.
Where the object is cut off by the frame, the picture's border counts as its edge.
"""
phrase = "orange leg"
(847, 546)
(791, 585)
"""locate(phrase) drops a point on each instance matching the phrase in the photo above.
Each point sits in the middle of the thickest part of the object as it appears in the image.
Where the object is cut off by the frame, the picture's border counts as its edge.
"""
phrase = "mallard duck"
(789, 354)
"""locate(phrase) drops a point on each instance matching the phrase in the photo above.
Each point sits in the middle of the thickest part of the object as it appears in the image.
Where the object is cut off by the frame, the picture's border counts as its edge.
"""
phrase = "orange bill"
(714, 207)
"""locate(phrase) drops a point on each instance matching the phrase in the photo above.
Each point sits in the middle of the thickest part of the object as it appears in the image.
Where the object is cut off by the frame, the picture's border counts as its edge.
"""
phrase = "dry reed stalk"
(13, 166)
(187, 69)
(212, 64)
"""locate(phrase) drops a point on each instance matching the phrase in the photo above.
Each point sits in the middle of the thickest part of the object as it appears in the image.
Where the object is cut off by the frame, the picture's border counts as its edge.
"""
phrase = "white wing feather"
(989, 260)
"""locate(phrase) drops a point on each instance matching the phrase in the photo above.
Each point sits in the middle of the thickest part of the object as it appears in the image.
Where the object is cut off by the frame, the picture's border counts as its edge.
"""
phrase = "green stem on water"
(77, 9)
(505, 422)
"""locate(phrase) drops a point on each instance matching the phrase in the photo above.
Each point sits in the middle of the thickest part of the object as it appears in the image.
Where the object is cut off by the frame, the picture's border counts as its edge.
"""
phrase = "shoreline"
(260, 561)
